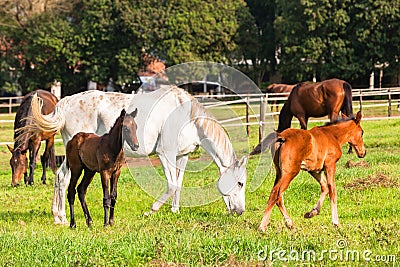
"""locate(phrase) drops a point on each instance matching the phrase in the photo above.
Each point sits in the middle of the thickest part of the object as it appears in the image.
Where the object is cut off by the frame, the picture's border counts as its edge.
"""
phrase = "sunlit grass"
(206, 235)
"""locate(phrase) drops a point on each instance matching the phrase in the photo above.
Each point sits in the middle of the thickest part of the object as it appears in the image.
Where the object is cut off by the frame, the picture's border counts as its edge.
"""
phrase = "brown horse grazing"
(279, 88)
(315, 151)
(19, 161)
(316, 100)
(91, 153)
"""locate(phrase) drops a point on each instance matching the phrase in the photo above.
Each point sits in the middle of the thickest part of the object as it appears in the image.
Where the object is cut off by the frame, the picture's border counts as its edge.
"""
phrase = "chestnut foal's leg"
(113, 189)
(82, 188)
(321, 178)
(330, 177)
(276, 197)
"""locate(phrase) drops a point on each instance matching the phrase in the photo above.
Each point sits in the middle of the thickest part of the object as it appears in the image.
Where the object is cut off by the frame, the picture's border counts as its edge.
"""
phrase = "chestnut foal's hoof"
(262, 229)
(311, 214)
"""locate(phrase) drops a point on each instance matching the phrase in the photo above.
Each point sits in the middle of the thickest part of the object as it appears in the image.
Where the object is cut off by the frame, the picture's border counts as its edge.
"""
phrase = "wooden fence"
(362, 99)
(10, 102)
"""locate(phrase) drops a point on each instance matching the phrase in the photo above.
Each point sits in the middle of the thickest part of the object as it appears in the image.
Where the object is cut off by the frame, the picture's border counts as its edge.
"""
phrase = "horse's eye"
(240, 184)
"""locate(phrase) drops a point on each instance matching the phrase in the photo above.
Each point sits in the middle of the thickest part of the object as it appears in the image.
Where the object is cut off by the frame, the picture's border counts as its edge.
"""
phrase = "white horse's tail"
(52, 122)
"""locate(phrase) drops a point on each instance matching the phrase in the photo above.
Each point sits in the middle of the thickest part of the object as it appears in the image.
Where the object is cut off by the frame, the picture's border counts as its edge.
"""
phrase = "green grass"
(206, 235)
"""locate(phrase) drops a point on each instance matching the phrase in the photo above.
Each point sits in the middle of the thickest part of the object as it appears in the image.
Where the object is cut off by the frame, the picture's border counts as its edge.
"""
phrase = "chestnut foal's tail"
(265, 144)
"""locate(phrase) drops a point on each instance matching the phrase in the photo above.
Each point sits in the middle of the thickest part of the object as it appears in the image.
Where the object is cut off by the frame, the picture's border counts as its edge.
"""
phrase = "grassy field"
(368, 203)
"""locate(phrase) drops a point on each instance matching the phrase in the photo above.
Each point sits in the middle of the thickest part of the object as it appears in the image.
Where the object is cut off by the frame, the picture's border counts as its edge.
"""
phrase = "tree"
(376, 37)
(181, 31)
(336, 38)
(73, 46)
(33, 37)
(256, 39)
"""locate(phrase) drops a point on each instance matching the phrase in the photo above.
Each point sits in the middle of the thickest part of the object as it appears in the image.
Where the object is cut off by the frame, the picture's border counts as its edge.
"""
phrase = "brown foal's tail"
(347, 107)
(265, 144)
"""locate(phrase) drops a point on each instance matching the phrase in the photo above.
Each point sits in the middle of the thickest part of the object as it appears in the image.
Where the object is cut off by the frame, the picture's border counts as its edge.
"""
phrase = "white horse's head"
(232, 184)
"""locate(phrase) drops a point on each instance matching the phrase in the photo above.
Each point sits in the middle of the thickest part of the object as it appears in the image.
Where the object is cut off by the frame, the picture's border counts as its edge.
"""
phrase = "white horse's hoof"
(148, 213)
(175, 209)
(57, 220)
(60, 220)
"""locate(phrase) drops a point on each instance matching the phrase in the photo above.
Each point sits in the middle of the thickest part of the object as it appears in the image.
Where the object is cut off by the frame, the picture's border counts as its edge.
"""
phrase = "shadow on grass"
(24, 216)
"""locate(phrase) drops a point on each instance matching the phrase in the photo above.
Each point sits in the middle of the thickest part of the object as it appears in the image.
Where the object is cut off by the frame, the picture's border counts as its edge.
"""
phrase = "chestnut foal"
(315, 151)
(91, 153)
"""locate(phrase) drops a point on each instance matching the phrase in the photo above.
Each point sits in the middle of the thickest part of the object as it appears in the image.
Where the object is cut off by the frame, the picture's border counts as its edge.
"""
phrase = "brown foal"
(91, 153)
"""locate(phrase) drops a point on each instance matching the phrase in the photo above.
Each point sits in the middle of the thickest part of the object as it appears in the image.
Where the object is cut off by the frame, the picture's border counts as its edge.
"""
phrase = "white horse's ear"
(134, 113)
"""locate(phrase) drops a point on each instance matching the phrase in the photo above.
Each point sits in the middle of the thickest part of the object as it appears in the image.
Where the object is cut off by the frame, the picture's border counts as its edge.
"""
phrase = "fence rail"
(10, 102)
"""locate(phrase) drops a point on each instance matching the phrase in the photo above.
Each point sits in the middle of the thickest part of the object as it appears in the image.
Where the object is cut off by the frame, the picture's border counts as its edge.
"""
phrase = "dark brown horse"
(91, 153)
(19, 161)
(279, 88)
(307, 100)
(315, 151)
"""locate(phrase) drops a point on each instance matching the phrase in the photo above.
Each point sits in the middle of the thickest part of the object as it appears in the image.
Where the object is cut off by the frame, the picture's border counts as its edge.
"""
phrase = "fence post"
(360, 100)
(389, 103)
(263, 109)
(247, 116)
(10, 105)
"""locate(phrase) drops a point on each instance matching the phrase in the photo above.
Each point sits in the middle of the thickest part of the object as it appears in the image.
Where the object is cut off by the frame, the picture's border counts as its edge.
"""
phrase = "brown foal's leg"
(75, 174)
(321, 178)
(113, 190)
(82, 188)
(105, 181)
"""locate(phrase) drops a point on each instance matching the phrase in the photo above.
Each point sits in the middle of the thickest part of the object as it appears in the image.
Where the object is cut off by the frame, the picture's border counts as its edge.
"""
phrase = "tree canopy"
(76, 41)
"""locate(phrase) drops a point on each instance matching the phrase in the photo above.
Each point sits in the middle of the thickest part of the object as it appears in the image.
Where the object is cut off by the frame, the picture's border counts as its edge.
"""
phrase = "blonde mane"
(208, 125)
(213, 130)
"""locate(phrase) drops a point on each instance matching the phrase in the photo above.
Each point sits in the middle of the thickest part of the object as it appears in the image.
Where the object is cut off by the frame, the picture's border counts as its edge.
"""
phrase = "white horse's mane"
(206, 122)
(212, 129)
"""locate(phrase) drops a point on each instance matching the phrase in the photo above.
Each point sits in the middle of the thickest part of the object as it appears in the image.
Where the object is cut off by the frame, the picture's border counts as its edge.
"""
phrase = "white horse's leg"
(62, 180)
(180, 170)
(59, 175)
(170, 173)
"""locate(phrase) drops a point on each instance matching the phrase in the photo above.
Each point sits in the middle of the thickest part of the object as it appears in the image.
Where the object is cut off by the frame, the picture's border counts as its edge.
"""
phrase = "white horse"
(171, 123)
